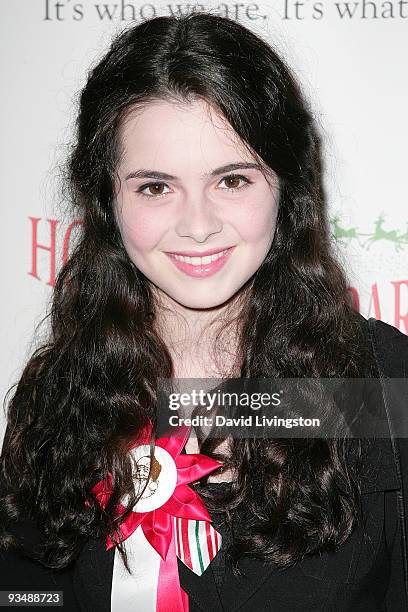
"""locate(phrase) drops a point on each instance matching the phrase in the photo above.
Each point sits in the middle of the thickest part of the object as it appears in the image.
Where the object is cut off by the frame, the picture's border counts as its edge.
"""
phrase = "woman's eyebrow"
(155, 174)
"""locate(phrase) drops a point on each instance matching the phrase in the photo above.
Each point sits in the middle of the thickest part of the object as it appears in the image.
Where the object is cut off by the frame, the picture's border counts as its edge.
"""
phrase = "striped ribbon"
(197, 543)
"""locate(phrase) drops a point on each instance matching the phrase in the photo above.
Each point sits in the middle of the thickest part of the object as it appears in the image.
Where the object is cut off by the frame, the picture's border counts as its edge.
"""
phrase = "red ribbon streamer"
(170, 595)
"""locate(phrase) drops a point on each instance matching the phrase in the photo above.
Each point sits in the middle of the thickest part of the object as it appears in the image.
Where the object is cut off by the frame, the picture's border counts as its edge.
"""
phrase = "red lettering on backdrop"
(35, 246)
(398, 317)
(51, 248)
(400, 320)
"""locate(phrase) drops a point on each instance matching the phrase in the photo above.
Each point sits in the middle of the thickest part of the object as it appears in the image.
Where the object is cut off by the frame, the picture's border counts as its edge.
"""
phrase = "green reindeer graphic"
(391, 235)
(394, 236)
(341, 233)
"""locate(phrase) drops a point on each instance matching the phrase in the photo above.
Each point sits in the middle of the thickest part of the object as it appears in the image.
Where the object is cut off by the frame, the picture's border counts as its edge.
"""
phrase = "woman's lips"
(204, 270)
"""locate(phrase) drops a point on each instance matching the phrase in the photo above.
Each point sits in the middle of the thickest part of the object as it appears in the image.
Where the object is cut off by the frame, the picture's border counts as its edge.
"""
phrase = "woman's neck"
(193, 340)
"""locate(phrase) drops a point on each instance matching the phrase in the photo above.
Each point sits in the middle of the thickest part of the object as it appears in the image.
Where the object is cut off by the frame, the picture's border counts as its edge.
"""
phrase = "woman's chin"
(196, 298)
(208, 303)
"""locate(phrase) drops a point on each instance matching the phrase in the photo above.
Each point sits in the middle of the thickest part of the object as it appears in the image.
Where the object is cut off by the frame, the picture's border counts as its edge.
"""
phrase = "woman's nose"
(198, 218)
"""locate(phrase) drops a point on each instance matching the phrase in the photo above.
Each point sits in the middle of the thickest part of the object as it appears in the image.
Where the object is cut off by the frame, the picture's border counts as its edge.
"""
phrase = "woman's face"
(181, 191)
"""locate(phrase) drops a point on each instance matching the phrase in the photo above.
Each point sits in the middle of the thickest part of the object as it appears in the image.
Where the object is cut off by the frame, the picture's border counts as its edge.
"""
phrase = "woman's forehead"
(169, 132)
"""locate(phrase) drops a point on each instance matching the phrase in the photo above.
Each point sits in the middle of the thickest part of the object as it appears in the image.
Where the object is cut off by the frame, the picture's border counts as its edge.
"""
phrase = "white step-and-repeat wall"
(349, 56)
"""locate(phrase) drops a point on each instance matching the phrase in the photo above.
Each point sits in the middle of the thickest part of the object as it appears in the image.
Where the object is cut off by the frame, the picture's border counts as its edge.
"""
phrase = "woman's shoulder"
(390, 346)
(387, 332)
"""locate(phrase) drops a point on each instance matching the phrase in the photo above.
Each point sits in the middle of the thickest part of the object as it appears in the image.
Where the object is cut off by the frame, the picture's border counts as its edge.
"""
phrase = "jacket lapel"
(236, 590)
(202, 590)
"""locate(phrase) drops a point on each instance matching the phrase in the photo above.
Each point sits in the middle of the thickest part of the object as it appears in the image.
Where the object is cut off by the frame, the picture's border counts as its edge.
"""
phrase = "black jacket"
(366, 575)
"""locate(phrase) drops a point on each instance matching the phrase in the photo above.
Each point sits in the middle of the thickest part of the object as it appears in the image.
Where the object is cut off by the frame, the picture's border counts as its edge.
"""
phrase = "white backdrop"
(349, 56)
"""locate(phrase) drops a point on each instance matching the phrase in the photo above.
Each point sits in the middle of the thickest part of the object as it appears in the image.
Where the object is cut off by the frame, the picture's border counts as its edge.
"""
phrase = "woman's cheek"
(255, 221)
(143, 229)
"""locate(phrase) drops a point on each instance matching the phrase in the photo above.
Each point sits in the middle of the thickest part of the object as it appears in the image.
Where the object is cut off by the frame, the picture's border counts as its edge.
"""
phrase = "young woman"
(194, 141)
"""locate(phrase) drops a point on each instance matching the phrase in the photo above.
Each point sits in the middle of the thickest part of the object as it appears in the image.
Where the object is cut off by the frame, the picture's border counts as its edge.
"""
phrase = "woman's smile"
(201, 267)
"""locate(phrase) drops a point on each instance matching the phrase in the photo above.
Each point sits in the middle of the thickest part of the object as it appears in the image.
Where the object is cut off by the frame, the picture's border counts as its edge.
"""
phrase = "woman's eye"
(232, 182)
(155, 190)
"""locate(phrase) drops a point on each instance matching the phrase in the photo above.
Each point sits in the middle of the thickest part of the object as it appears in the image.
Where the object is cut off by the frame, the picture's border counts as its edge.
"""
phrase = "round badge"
(163, 478)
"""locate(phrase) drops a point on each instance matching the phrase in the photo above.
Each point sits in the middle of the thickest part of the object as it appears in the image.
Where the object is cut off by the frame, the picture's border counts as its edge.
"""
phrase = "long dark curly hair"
(88, 391)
